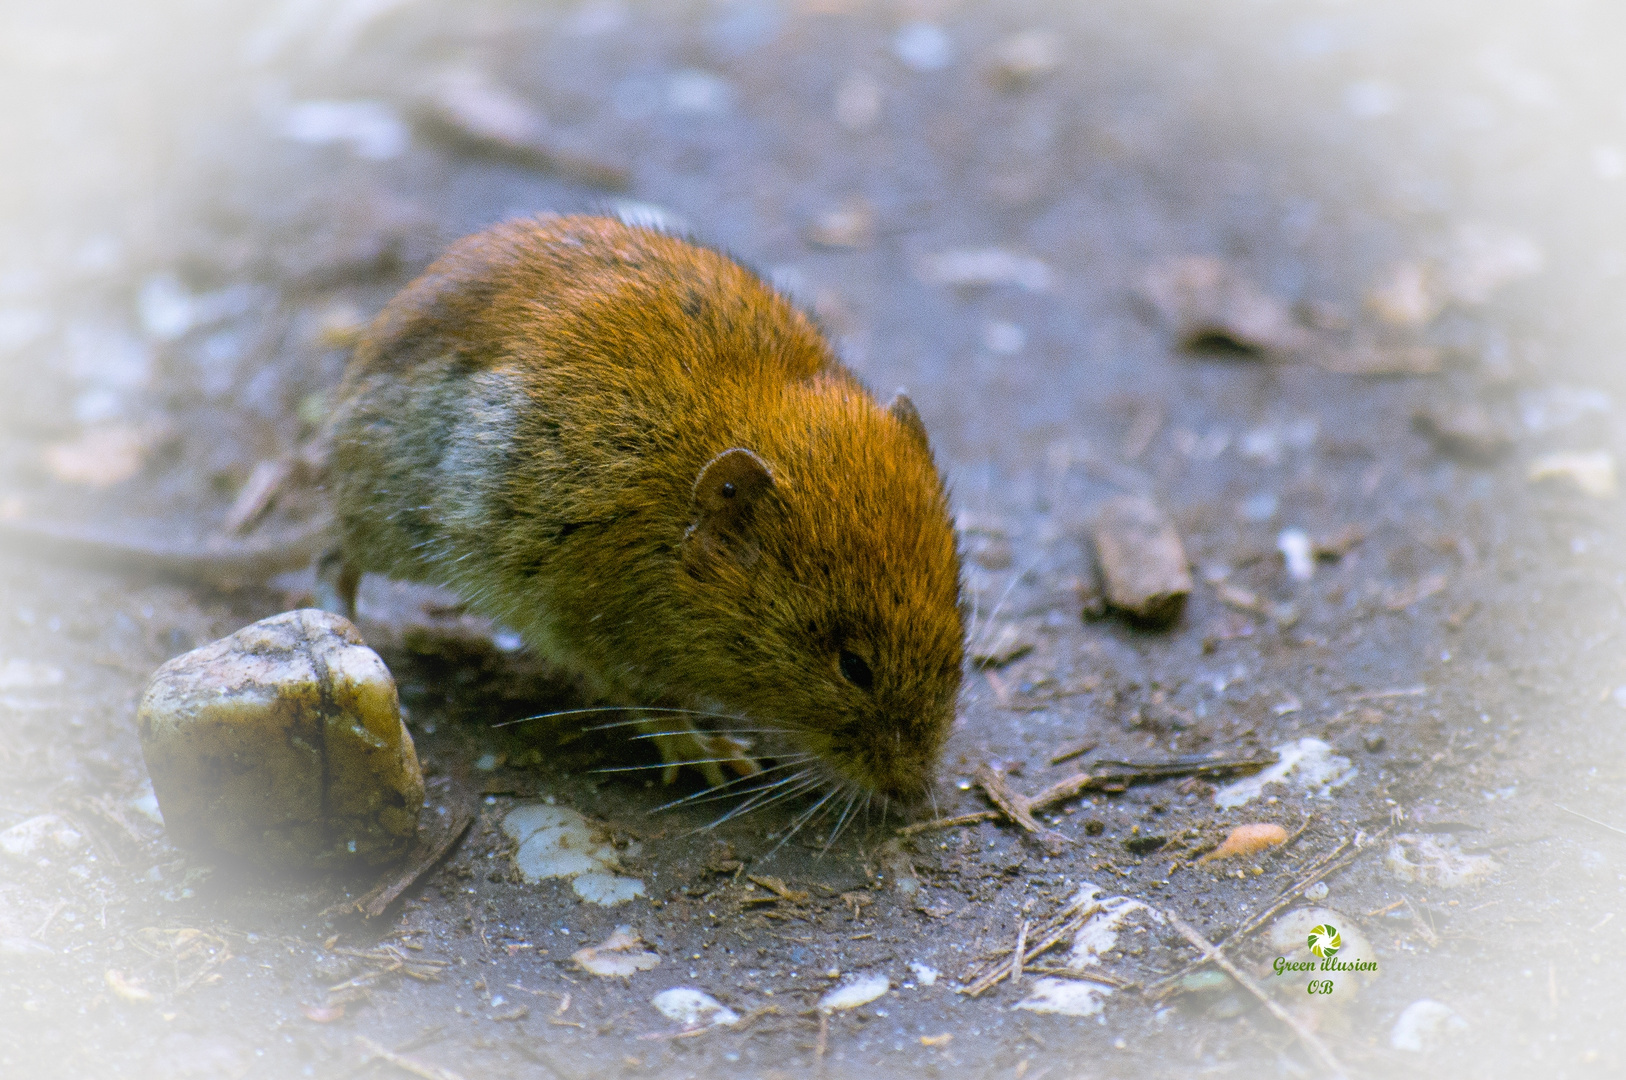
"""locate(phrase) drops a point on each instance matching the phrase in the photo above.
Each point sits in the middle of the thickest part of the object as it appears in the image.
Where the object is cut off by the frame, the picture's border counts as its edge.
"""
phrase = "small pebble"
(283, 744)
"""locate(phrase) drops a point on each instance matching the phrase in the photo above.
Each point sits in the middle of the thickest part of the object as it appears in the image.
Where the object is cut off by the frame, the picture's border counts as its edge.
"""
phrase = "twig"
(1594, 820)
(1327, 864)
(1424, 928)
(950, 822)
(1079, 973)
(1379, 695)
(1109, 775)
(1017, 808)
(406, 1064)
(424, 858)
(1060, 926)
(1019, 954)
(1078, 749)
(1211, 953)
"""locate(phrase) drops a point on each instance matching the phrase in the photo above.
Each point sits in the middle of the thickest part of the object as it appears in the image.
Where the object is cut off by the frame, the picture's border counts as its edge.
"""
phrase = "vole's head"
(825, 560)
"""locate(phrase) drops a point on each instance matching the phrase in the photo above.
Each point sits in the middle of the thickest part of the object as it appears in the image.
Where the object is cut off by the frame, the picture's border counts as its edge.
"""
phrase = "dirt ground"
(201, 201)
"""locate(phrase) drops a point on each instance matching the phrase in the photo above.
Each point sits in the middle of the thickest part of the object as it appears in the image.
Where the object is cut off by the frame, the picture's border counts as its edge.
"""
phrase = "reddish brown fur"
(526, 422)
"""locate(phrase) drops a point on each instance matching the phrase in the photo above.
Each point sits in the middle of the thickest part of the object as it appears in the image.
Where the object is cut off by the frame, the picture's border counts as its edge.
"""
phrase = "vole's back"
(634, 452)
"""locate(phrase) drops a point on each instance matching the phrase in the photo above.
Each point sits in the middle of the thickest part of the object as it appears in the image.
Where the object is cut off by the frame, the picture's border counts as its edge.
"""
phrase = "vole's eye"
(855, 670)
(728, 491)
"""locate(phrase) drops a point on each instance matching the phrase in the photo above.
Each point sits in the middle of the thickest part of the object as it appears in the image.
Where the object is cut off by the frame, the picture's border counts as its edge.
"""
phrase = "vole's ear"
(903, 411)
(726, 495)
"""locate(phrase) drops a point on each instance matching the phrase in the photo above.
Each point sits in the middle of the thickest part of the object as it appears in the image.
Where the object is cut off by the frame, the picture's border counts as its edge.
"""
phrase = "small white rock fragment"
(855, 992)
(27, 675)
(283, 743)
(858, 102)
(621, 955)
(1099, 934)
(556, 841)
(925, 974)
(1066, 997)
(1308, 764)
(1317, 892)
(693, 1008)
(1424, 1025)
(371, 129)
(695, 92)
(1436, 859)
(966, 267)
(923, 46)
(43, 835)
(1298, 553)
(1593, 473)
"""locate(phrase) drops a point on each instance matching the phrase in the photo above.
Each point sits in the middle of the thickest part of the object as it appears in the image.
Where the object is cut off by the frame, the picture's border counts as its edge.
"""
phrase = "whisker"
(803, 819)
(841, 823)
(665, 765)
(993, 612)
(614, 708)
(757, 802)
(716, 791)
(691, 731)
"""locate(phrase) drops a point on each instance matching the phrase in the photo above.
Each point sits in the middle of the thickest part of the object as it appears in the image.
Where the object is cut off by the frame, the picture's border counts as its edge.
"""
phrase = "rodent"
(652, 466)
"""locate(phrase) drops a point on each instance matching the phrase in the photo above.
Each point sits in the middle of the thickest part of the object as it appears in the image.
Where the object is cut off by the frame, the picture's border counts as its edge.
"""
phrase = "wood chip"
(778, 888)
(1143, 563)
(1017, 808)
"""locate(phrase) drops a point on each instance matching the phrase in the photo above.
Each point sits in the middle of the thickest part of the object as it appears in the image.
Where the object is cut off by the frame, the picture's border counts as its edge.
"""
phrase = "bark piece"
(1143, 564)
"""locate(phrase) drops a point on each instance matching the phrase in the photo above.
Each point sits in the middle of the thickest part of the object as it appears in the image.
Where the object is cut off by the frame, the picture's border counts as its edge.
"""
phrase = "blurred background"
(1408, 221)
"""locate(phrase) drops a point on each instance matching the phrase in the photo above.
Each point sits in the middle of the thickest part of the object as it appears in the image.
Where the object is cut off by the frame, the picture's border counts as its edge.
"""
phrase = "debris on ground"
(1464, 430)
(856, 991)
(465, 108)
(1022, 59)
(1409, 294)
(1425, 1025)
(1377, 359)
(556, 841)
(1002, 645)
(104, 455)
(1212, 306)
(1593, 473)
(1308, 764)
(1436, 859)
(438, 832)
(693, 1008)
(1298, 553)
(985, 267)
(323, 770)
(1248, 840)
(850, 226)
(1144, 569)
(620, 955)
(1290, 938)
(41, 836)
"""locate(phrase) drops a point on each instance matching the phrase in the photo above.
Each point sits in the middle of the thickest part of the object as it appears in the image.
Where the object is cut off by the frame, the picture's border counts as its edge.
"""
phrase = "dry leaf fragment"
(1593, 473)
(779, 888)
(1246, 840)
(103, 456)
(126, 988)
(1211, 305)
(618, 956)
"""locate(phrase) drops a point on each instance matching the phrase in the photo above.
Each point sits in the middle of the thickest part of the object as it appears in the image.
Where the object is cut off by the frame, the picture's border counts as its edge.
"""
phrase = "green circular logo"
(1324, 941)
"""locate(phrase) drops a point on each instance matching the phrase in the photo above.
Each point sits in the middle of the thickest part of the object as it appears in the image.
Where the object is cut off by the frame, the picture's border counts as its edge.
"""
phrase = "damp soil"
(185, 249)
